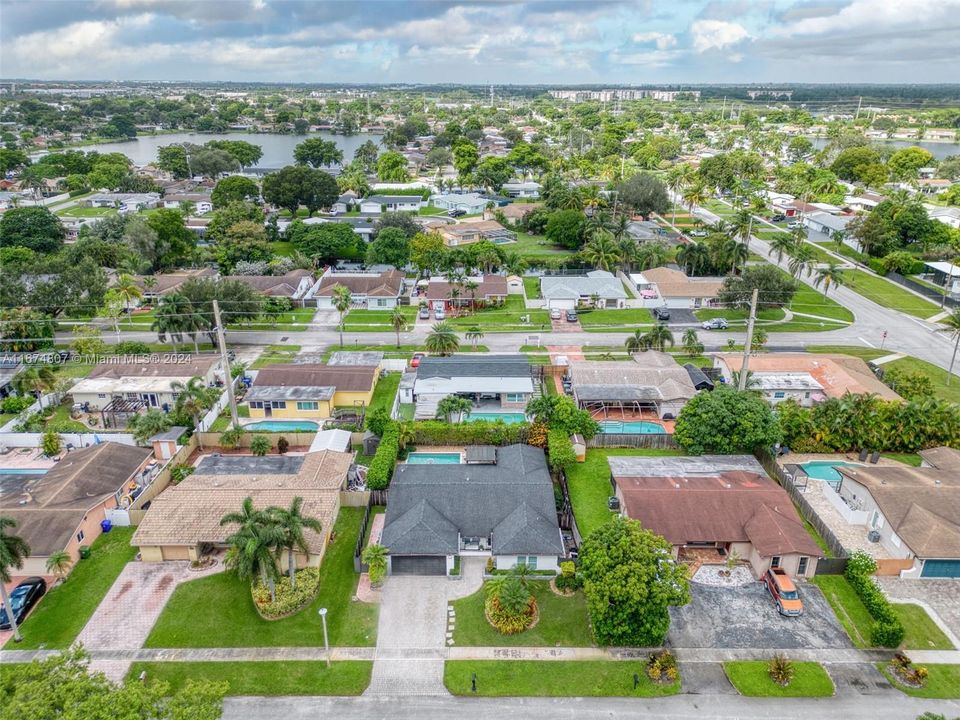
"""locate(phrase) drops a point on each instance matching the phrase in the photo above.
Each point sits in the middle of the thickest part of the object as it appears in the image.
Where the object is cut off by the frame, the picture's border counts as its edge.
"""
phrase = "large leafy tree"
(644, 194)
(392, 247)
(323, 243)
(565, 228)
(726, 421)
(175, 242)
(173, 159)
(631, 581)
(243, 241)
(318, 152)
(297, 185)
(233, 212)
(366, 156)
(243, 152)
(35, 228)
(775, 287)
(561, 413)
(234, 188)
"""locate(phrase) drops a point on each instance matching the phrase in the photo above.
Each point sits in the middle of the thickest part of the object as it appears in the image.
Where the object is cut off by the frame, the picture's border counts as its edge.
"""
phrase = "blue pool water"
(283, 426)
(509, 418)
(635, 427)
(23, 471)
(825, 469)
(428, 458)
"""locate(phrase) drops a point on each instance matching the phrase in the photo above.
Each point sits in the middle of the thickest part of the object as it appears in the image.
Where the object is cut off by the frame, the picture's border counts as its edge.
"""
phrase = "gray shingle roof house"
(505, 509)
(566, 292)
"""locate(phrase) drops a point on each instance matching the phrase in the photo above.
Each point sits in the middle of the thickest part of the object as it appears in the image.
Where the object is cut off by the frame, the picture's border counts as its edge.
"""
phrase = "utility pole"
(222, 342)
(723, 109)
(748, 342)
(859, 103)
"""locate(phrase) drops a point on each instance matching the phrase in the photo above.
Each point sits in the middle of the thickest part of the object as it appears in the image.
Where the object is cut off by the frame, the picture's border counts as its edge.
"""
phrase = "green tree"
(392, 168)
(644, 194)
(474, 335)
(427, 251)
(127, 290)
(234, 188)
(374, 556)
(173, 159)
(726, 421)
(366, 155)
(194, 398)
(829, 276)
(492, 173)
(209, 162)
(951, 326)
(14, 550)
(59, 563)
(292, 524)
(34, 380)
(630, 582)
(565, 228)
(391, 247)
(442, 340)
(453, 405)
(602, 252)
(297, 185)
(35, 228)
(243, 241)
(691, 343)
(904, 163)
(323, 243)
(51, 444)
(251, 547)
(145, 425)
(25, 330)
(318, 152)
(775, 287)
(245, 153)
(342, 299)
(398, 321)
(560, 412)
(228, 215)
(465, 158)
(175, 242)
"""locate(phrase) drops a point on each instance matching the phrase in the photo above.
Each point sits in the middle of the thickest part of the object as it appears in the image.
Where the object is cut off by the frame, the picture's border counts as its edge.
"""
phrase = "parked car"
(556, 314)
(795, 224)
(424, 313)
(784, 592)
(22, 599)
(571, 316)
(438, 314)
(415, 360)
(698, 233)
(779, 217)
(456, 212)
(714, 324)
(661, 313)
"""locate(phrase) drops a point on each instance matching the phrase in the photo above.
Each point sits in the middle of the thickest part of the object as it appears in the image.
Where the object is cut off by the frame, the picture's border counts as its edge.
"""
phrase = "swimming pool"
(510, 418)
(632, 427)
(23, 471)
(283, 426)
(438, 458)
(825, 469)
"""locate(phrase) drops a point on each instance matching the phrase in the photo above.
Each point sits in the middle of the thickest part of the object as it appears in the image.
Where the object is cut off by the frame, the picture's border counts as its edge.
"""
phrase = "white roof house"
(779, 386)
(471, 203)
(826, 223)
(948, 216)
(567, 291)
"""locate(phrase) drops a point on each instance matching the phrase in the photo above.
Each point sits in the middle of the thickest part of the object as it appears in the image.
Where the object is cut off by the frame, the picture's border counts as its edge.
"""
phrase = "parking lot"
(745, 617)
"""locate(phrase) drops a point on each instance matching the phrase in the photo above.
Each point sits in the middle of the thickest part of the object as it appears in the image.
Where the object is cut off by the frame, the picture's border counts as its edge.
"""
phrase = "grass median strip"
(849, 609)
(752, 679)
(547, 678)
(885, 293)
(943, 682)
(288, 677)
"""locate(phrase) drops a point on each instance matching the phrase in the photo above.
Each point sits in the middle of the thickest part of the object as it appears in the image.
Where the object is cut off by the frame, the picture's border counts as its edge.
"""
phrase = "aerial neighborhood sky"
(555, 42)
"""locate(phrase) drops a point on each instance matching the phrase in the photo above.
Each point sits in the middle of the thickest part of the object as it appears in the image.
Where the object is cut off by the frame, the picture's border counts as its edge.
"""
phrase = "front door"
(267, 410)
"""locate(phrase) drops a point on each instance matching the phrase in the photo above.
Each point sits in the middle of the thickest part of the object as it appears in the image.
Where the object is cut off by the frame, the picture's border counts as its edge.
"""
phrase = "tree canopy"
(35, 228)
(234, 187)
(297, 185)
(644, 194)
(726, 421)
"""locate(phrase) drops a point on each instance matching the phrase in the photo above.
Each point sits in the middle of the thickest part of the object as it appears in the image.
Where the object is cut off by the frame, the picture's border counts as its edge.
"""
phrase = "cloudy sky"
(491, 41)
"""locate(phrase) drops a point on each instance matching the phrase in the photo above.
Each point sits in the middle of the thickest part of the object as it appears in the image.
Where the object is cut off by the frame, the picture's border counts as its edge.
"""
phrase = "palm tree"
(194, 398)
(601, 252)
(442, 339)
(592, 199)
(782, 244)
(35, 381)
(652, 255)
(13, 551)
(695, 195)
(677, 179)
(291, 522)
(951, 325)
(829, 276)
(453, 404)
(658, 337)
(374, 556)
(127, 289)
(58, 562)
(693, 257)
(691, 343)
(620, 227)
(251, 551)
(398, 321)
(752, 382)
(474, 335)
(168, 321)
(801, 260)
(638, 342)
(341, 301)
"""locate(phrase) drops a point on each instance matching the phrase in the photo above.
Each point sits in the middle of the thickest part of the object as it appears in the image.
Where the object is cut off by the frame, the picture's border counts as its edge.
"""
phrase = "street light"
(326, 642)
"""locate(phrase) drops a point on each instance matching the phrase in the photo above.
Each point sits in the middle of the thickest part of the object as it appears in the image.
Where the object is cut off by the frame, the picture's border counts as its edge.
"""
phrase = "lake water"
(939, 150)
(277, 149)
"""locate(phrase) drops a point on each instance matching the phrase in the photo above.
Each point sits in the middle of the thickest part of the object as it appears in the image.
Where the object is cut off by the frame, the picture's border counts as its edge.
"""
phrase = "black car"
(22, 599)
(778, 218)
(661, 313)
(456, 212)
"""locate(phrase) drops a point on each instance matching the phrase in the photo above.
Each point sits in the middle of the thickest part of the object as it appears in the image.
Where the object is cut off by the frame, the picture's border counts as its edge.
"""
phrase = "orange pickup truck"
(784, 592)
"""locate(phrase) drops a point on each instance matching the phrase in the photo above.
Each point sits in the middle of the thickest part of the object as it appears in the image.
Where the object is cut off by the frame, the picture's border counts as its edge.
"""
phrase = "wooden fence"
(296, 439)
(660, 441)
(136, 511)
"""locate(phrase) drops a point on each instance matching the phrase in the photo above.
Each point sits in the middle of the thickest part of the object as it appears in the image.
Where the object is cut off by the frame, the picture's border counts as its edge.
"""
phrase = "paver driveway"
(745, 617)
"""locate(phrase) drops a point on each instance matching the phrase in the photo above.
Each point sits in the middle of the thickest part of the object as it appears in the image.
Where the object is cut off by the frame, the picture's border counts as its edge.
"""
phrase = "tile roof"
(197, 365)
(626, 380)
(488, 286)
(345, 378)
(604, 284)
(386, 284)
(276, 285)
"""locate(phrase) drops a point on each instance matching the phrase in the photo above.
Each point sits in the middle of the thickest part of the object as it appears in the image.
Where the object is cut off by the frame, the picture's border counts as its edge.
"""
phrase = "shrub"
(131, 347)
(781, 670)
(904, 669)
(568, 579)
(662, 667)
(538, 435)
(878, 266)
(560, 450)
(480, 432)
(381, 467)
(509, 605)
(51, 444)
(282, 444)
(375, 557)
(886, 630)
(179, 472)
(231, 438)
(260, 445)
(726, 421)
(377, 420)
(289, 600)
(903, 262)
(15, 404)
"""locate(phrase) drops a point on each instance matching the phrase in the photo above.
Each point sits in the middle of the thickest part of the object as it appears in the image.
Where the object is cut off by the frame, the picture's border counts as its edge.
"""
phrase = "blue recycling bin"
(106, 525)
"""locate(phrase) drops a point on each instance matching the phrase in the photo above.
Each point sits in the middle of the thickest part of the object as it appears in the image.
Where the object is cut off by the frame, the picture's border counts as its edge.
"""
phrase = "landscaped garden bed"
(754, 678)
(290, 598)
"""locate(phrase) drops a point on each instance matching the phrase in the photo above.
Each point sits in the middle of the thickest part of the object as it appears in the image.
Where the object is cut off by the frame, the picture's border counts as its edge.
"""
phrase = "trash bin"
(106, 526)
(84, 552)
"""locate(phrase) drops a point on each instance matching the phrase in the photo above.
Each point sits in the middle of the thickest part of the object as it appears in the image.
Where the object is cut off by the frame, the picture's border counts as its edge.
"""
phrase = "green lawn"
(535, 246)
(496, 320)
(217, 611)
(86, 212)
(65, 609)
(632, 317)
(844, 250)
(61, 417)
(888, 294)
(385, 392)
(549, 678)
(739, 314)
(531, 287)
(563, 621)
(943, 682)
(849, 609)
(750, 678)
(283, 248)
(808, 301)
(288, 677)
(294, 320)
(922, 632)
(938, 375)
(589, 484)
(911, 459)
(274, 354)
(864, 353)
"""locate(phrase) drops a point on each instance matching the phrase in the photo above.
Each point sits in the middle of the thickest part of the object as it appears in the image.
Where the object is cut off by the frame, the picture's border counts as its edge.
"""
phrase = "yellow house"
(310, 390)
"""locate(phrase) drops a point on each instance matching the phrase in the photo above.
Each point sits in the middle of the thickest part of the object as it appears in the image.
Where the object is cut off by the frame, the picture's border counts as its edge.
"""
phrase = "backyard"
(385, 392)
(217, 611)
(65, 609)
(536, 246)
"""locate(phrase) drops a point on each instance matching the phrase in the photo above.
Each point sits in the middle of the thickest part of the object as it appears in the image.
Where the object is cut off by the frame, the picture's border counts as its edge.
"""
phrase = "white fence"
(394, 364)
(77, 439)
(854, 517)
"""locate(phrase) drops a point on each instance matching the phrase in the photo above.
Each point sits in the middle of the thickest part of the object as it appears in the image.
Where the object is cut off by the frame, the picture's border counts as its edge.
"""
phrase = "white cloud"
(867, 14)
(716, 34)
(661, 40)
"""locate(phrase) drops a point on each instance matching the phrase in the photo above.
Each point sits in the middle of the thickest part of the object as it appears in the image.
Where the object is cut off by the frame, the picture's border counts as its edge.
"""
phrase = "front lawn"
(864, 353)
(563, 621)
(552, 678)
(496, 320)
(739, 314)
(750, 678)
(65, 609)
(217, 611)
(288, 677)
(274, 354)
(808, 301)
(385, 392)
(589, 484)
(943, 682)
(888, 294)
(628, 317)
(847, 606)
(922, 632)
(938, 375)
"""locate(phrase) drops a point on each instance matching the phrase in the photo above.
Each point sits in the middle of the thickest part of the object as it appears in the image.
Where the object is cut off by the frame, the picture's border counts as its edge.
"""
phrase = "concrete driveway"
(941, 596)
(745, 617)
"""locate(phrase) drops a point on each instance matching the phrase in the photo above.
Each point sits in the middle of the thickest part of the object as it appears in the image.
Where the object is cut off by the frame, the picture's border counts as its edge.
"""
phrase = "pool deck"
(26, 459)
(852, 537)
(851, 457)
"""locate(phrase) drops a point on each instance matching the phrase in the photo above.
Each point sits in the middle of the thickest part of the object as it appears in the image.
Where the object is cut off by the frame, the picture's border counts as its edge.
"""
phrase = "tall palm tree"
(58, 562)
(691, 343)
(619, 227)
(951, 325)
(251, 551)
(602, 252)
(658, 337)
(474, 335)
(801, 260)
(733, 253)
(695, 195)
(652, 254)
(398, 321)
(693, 257)
(341, 301)
(127, 289)
(782, 244)
(194, 398)
(13, 551)
(638, 342)
(36, 381)
(829, 276)
(442, 339)
(629, 252)
(677, 179)
(168, 320)
(292, 522)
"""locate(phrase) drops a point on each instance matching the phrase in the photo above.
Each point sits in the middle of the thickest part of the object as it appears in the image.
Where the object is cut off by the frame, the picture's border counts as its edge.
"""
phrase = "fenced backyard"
(659, 441)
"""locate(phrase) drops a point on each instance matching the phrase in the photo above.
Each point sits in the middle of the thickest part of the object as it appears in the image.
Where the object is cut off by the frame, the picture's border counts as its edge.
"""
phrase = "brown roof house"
(63, 509)
(293, 285)
(481, 290)
(465, 233)
(183, 521)
(374, 291)
(156, 286)
(719, 504)
(913, 513)
(666, 287)
(310, 390)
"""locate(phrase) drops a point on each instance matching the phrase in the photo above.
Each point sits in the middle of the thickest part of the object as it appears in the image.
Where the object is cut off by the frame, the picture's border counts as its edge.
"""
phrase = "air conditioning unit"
(873, 536)
(613, 503)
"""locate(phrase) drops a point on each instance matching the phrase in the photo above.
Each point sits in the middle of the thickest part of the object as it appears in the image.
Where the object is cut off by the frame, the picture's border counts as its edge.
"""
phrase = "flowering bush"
(289, 600)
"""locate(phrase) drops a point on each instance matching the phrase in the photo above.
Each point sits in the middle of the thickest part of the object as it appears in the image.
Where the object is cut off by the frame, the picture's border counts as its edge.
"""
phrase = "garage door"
(418, 565)
(941, 568)
(562, 304)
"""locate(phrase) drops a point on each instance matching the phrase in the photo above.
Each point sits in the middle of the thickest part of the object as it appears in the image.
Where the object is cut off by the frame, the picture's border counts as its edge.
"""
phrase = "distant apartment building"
(625, 94)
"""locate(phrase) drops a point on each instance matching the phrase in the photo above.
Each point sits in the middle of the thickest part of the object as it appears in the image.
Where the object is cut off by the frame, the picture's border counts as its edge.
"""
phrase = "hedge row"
(886, 630)
(480, 432)
(381, 467)
(560, 450)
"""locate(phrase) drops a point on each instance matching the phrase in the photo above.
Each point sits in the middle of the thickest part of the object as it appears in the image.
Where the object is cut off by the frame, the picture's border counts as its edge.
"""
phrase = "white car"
(795, 224)
(698, 233)
(556, 314)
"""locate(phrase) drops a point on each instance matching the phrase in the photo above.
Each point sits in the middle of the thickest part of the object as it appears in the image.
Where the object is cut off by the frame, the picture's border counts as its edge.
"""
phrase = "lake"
(277, 149)
(939, 150)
